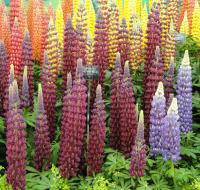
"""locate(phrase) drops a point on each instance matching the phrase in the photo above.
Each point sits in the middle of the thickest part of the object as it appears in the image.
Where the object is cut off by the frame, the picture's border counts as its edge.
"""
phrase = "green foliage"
(3, 183)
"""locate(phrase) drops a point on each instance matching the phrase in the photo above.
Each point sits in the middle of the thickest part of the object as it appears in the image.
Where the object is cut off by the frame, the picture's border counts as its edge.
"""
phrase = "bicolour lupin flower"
(67, 6)
(77, 123)
(49, 93)
(65, 140)
(170, 134)
(128, 116)
(27, 60)
(154, 77)
(116, 79)
(97, 134)
(138, 154)
(15, 141)
(123, 42)
(184, 94)
(168, 80)
(25, 96)
(157, 115)
(41, 135)
(89, 47)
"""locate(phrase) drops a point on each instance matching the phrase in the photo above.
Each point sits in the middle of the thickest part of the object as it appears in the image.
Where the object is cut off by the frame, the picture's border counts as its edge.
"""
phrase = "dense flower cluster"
(157, 115)
(170, 134)
(184, 94)
(138, 154)
(128, 120)
(116, 78)
(15, 141)
(41, 136)
(97, 134)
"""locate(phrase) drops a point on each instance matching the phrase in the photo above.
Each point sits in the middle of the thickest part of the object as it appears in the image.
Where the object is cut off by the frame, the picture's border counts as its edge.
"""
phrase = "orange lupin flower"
(14, 10)
(67, 6)
(186, 6)
(16, 46)
(36, 34)
(2, 10)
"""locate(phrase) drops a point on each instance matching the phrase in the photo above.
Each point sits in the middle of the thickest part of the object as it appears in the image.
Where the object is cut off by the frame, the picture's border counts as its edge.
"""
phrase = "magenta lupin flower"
(15, 141)
(116, 79)
(41, 136)
(128, 120)
(138, 154)
(77, 123)
(65, 138)
(27, 60)
(168, 81)
(68, 54)
(184, 94)
(25, 97)
(49, 94)
(157, 115)
(4, 74)
(123, 42)
(97, 134)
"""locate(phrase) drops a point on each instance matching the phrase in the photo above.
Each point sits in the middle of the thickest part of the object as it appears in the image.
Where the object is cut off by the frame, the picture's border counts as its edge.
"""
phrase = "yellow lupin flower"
(52, 45)
(129, 9)
(91, 16)
(120, 7)
(138, 7)
(165, 22)
(135, 45)
(170, 46)
(76, 5)
(196, 23)
(144, 20)
(150, 4)
(113, 33)
(185, 25)
(60, 25)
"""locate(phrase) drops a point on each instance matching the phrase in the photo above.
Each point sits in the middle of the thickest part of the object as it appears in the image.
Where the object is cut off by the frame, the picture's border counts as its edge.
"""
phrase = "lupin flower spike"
(128, 116)
(41, 136)
(25, 96)
(170, 134)
(184, 94)
(116, 78)
(97, 134)
(16, 141)
(157, 115)
(138, 154)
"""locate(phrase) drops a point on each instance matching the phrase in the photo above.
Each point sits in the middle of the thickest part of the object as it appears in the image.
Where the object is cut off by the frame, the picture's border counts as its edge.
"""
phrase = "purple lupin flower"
(168, 81)
(41, 135)
(157, 115)
(97, 134)
(49, 93)
(25, 97)
(184, 94)
(4, 68)
(15, 141)
(27, 59)
(9, 81)
(65, 138)
(115, 103)
(77, 123)
(138, 154)
(128, 117)
(170, 134)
